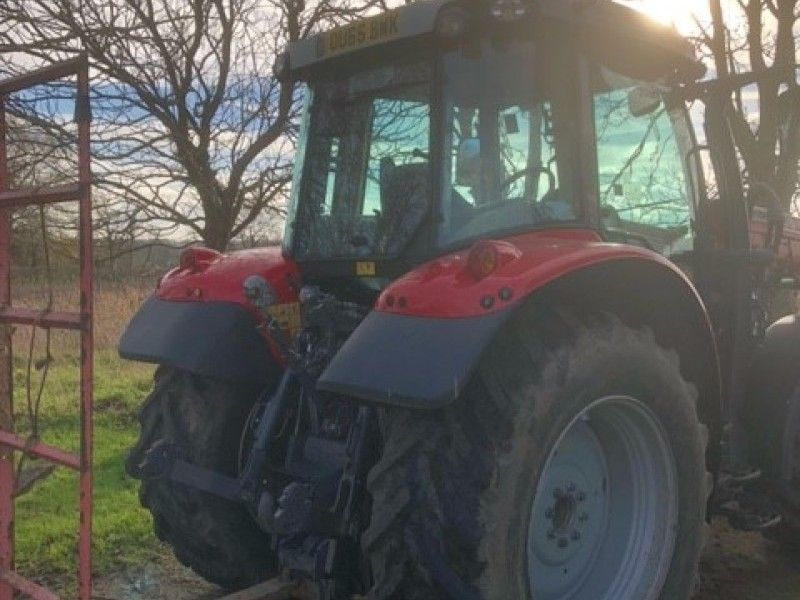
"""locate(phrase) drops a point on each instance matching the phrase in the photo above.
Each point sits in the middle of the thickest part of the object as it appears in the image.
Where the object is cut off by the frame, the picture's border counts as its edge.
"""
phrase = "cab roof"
(611, 27)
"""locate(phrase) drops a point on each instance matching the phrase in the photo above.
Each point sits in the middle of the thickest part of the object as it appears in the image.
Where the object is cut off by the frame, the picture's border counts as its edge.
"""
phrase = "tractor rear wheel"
(569, 469)
(784, 459)
(204, 418)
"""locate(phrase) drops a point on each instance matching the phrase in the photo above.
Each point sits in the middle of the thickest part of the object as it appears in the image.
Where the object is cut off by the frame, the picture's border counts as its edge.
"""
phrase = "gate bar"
(27, 587)
(40, 450)
(83, 114)
(6, 378)
(59, 70)
(42, 318)
(82, 321)
(50, 195)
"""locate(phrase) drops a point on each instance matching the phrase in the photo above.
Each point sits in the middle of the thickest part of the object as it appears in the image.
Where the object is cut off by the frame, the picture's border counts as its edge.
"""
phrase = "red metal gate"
(81, 321)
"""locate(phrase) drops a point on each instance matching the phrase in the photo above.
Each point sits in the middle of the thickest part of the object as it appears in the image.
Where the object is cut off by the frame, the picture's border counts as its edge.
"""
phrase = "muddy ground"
(736, 566)
(744, 566)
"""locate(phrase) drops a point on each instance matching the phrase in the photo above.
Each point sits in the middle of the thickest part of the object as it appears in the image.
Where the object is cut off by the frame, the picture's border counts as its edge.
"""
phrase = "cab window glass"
(644, 193)
(366, 173)
(398, 140)
(525, 154)
(511, 138)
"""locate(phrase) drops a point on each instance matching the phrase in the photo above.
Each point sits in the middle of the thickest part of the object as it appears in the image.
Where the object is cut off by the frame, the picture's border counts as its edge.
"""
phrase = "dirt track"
(736, 566)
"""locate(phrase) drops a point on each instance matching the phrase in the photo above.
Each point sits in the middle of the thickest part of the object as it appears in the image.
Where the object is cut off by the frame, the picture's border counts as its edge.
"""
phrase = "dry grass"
(114, 302)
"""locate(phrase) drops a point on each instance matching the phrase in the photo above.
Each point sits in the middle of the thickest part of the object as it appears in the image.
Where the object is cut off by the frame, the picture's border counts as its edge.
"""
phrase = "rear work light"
(486, 256)
(196, 258)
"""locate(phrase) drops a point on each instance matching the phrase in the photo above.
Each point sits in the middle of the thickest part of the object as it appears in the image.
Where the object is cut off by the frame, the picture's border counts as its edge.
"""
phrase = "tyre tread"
(464, 447)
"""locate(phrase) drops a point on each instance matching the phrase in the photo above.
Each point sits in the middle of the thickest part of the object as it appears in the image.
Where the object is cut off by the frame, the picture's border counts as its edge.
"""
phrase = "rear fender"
(420, 345)
(199, 320)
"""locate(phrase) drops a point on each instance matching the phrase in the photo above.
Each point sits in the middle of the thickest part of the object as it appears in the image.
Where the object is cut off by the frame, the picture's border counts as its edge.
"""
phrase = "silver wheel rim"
(604, 518)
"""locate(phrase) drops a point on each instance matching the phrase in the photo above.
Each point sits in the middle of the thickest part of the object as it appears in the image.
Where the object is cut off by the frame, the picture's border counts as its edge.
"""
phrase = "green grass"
(46, 517)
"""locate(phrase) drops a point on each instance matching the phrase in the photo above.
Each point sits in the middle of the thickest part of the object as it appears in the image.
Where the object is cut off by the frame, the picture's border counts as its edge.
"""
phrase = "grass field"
(46, 517)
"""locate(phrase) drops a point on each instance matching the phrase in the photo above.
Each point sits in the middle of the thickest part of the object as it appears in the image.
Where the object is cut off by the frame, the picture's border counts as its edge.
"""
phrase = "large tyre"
(568, 469)
(204, 418)
(784, 470)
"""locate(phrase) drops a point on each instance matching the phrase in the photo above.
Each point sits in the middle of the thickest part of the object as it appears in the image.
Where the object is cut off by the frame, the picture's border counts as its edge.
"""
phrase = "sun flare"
(680, 13)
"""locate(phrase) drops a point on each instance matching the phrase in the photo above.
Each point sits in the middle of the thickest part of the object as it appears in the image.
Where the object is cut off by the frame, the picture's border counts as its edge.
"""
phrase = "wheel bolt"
(576, 535)
(563, 543)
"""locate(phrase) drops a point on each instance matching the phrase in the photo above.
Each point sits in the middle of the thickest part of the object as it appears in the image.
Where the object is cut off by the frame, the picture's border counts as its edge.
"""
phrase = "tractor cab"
(442, 123)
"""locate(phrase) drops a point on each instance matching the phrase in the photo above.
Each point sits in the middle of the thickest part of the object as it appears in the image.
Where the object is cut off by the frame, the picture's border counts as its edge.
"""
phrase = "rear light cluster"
(196, 258)
(486, 256)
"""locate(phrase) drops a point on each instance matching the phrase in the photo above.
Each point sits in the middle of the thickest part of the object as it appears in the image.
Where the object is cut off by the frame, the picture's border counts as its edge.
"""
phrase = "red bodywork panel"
(444, 288)
(441, 288)
(221, 279)
(789, 250)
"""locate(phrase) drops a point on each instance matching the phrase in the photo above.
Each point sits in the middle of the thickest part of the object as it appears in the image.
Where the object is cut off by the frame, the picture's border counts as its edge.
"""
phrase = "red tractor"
(517, 342)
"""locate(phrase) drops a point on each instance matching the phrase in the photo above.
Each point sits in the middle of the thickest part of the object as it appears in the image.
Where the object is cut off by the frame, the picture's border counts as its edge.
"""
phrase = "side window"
(644, 192)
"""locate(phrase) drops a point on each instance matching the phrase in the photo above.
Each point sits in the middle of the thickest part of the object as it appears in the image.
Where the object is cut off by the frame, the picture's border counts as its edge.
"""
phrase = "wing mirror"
(643, 101)
(468, 162)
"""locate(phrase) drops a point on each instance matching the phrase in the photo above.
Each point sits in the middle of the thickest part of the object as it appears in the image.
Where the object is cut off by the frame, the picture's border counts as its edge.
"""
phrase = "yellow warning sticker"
(287, 315)
(365, 269)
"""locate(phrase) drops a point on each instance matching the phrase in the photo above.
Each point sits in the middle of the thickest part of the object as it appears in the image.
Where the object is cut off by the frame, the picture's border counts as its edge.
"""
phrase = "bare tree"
(193, 134)
(759, 36)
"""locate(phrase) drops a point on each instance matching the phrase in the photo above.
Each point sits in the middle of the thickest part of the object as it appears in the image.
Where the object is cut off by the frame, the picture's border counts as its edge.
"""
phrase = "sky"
(680, 13)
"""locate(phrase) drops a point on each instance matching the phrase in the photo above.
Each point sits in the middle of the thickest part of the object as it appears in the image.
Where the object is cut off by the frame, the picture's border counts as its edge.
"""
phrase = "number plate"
(358, 35)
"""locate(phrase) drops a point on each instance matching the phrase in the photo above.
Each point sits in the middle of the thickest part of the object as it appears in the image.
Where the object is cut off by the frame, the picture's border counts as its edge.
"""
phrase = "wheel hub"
(572, 506)
(603, 520)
